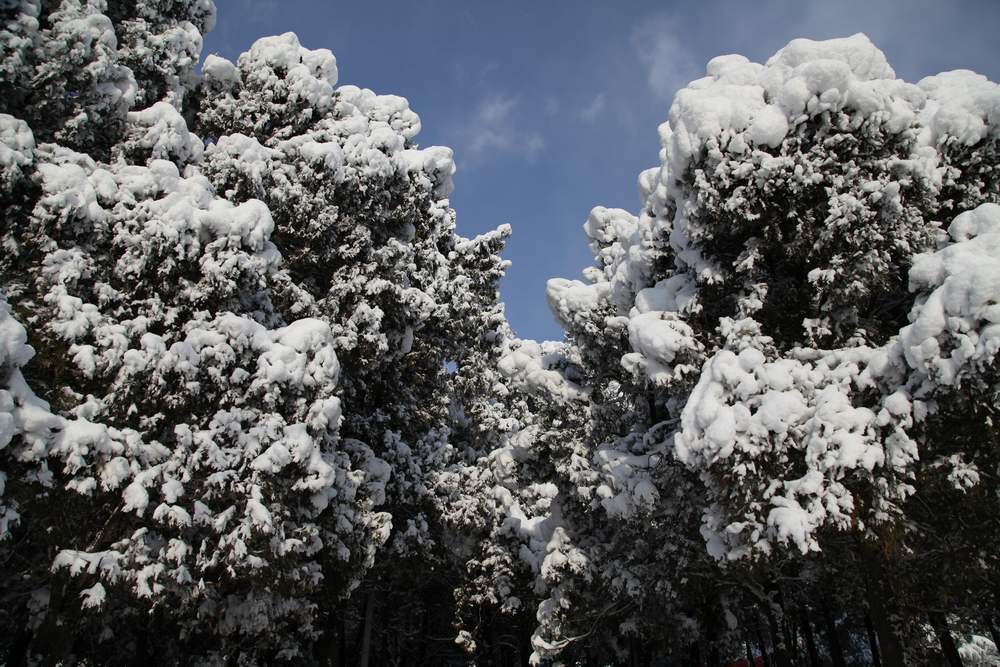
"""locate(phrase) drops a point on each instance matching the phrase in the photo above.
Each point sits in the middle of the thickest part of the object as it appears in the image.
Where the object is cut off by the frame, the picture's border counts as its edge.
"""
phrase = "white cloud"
(495, 110)
(667, 59)
(593, 111)
(533, 146)
(493, 130)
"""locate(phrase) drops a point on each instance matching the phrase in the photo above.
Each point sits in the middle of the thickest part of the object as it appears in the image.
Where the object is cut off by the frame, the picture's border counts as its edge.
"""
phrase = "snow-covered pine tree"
(232, 386)
(504, 507)
(796, 425)
(575, 530)
(367, 234)
(747, 326)
(202, 447)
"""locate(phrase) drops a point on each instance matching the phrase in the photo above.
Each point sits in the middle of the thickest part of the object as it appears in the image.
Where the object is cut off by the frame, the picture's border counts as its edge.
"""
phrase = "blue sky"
(552, 106)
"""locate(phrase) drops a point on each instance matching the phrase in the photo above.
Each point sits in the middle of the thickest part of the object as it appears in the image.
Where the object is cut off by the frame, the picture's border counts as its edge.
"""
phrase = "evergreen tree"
(259, 402)
(244, 347)
(737, 358)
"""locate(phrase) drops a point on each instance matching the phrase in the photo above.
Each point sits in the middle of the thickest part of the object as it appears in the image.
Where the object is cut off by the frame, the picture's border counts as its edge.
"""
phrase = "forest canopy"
(260, 402)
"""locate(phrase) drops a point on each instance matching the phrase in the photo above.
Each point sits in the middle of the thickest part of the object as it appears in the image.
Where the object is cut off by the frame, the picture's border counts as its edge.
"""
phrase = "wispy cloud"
(494, 130)
(593, 111)
(664, 55)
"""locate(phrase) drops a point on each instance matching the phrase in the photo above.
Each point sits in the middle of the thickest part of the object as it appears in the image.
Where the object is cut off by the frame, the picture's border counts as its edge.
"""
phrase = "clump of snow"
(438, 162)
(955, 323)
(627, 488)
(309, 74)
(111, 88)
(675, 294)
(570, 299)
(349, 132)
(536, 367)
(162, 133)
(392, 110)
(245, 154)
(751, 415)
(769, 127)
(17, 149)
(961, 105)
(84, 449)
(620, 255)
(753, 105)
(220, 72)
(978, 651)
(857, 52)
(607, 228)
(657, 338)
(284, 52)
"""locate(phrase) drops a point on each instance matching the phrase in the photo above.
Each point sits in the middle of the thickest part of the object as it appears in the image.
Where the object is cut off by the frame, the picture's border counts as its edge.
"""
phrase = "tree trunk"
(878, 592)
(749, 648)
(323, 649)
(713, 655)
(873, 642)
(765, 658)
(940, 624)
(18, 656)
(342, 641)
(53, 642)
(366, 631)
(780, 650)
(143, 651)
(791, 632)
(425, 628)
(807, 633)
(494, 647)
(525, 643)
(833, 637)
(711, 638)
(695, 655)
